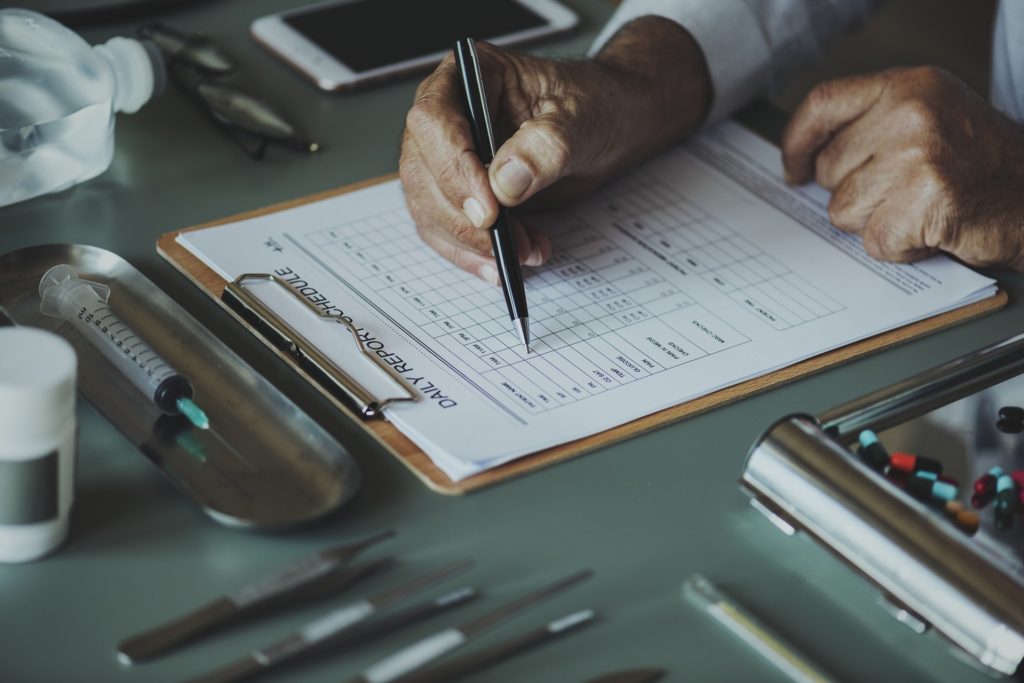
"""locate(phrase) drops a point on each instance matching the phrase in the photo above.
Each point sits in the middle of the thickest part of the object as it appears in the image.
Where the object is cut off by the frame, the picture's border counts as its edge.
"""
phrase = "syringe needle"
(193, 412)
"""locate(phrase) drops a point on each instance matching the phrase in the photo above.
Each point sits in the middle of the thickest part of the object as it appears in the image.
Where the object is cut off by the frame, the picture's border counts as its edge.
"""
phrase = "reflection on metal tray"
(802, 474)
(263, 463)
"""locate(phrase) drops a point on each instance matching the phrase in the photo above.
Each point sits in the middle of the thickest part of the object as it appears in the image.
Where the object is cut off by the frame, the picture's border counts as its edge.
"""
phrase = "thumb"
(541, 152)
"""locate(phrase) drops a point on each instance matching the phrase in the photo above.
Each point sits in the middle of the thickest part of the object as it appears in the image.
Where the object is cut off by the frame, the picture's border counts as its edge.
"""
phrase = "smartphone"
(343, 44)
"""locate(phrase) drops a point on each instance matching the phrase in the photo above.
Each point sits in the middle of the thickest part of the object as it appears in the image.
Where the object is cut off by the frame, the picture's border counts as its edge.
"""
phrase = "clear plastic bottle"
(58, 97)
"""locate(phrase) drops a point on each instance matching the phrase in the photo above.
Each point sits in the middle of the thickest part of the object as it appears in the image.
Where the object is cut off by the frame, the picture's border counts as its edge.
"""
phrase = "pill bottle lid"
(37, 384)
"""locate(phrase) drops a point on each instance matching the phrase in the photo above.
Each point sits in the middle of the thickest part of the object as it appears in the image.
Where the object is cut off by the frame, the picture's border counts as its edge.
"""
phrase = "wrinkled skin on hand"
(916, 163)
(569, 127)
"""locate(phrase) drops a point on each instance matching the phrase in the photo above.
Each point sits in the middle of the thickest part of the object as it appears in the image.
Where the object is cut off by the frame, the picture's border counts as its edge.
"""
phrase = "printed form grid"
(599, 317)
(691, 242)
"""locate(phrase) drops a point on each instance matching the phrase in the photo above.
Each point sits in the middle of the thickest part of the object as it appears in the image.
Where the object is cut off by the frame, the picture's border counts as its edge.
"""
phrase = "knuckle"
(821, 95)
(838, 211)
(465, 234)
(878, 244)
(823, 167)
(411, 172)
(447, 63)
(889, 241)
(929, 77)
(931, 182)
(915, 157)
(918, 116)
(451, 174)
(934, 187)
(422, 115)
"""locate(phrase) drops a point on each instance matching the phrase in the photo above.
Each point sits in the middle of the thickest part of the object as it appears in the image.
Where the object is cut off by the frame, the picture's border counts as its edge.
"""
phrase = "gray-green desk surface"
(644, 514)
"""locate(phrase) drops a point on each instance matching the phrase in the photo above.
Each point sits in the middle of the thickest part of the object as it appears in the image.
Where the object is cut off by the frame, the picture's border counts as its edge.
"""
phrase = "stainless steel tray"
(802, 475)
(263, 464)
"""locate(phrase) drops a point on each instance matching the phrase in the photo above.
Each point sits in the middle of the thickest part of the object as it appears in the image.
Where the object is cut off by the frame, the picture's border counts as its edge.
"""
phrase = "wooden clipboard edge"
(424, 468)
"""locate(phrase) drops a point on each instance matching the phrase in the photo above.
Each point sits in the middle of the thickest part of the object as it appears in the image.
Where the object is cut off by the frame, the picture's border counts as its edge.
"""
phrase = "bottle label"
(28, 490)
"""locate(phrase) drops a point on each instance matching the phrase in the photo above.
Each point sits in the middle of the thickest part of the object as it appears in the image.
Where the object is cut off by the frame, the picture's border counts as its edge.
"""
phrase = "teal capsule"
(1004, 508)
(944, 491)
(926, 489)
(871, 451)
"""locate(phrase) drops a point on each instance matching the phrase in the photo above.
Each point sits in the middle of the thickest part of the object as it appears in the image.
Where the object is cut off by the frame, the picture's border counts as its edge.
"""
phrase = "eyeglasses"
(201, 68)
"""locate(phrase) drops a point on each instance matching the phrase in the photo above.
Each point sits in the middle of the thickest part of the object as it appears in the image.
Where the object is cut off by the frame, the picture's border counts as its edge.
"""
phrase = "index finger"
(825, 111)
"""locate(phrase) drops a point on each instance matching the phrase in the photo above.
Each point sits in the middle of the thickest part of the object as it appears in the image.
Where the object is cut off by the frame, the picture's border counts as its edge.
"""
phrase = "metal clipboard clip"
(326, 372)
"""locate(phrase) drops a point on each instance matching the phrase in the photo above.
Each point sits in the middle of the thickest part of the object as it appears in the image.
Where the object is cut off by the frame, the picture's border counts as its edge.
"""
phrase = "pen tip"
(523, 328)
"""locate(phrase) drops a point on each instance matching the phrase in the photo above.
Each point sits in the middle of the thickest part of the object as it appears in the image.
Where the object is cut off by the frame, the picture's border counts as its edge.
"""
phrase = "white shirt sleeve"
(1007, 90)
(750, 45)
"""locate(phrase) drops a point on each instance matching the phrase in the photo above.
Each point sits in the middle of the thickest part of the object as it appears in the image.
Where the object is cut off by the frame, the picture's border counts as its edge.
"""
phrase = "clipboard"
(390, 438)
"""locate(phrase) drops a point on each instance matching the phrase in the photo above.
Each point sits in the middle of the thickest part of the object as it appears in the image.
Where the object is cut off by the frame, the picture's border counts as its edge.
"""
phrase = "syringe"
(84, 303)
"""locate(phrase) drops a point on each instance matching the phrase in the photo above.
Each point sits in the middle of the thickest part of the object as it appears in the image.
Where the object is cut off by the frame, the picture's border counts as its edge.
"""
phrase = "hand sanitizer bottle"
(58, 97)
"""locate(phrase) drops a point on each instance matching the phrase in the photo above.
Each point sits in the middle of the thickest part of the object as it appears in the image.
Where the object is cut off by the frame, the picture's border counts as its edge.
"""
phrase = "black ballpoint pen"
(505, 253)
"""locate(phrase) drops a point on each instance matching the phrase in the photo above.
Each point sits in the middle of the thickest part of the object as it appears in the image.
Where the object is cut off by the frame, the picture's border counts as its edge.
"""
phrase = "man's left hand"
(916, 163)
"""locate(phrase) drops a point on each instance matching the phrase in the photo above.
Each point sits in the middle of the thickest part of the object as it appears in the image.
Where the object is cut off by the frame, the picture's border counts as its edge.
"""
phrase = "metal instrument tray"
(803, 475)
(263, 464)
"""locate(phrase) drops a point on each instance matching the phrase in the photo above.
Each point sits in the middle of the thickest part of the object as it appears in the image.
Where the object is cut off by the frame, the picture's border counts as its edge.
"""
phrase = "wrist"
(663, 78)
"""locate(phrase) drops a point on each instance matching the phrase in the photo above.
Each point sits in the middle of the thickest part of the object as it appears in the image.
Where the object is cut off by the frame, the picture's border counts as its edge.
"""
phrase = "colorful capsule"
(935, 476)
(907, 462)
(871, 451)
(1010, 426)
(1011, 413)
(1006, 502)
(1011, 420)
(1018, 480)
(923, 488)
(896, 477)
(1004, 509)
(985, 487)
(953, 508)
(966, 520)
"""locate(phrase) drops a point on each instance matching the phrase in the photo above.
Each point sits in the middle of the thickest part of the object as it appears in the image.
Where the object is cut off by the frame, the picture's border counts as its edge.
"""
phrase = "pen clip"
(321, 368)
(475, 98)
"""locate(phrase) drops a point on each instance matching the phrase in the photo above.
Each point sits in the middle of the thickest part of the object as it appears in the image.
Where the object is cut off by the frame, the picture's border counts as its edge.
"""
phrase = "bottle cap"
(138, 72)
(37, 387)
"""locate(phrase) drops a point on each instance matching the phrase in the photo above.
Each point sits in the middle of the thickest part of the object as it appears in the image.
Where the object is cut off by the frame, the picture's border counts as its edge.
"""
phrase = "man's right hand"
(572, 125)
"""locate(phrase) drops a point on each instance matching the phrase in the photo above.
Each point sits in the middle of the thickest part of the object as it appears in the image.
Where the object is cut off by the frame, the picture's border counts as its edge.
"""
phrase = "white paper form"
(697, 271)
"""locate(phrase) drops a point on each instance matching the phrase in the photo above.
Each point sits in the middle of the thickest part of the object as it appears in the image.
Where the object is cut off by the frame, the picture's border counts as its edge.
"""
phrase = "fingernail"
(489, 273)
(535, 258)
(474, 210)
(513, 178)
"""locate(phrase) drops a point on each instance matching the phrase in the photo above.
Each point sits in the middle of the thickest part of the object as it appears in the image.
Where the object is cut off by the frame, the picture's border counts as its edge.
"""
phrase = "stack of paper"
(698, 271)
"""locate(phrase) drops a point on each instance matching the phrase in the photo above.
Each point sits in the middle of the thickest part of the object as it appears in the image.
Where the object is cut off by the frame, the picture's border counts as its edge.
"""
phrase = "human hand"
(572, 125)
(916, 163)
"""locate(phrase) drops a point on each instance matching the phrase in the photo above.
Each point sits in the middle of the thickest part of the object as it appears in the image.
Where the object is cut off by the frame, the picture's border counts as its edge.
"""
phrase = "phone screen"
(368, 34)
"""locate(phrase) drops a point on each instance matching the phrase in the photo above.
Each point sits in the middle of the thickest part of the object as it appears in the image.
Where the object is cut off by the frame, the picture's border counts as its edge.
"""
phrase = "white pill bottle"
(37, 441)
